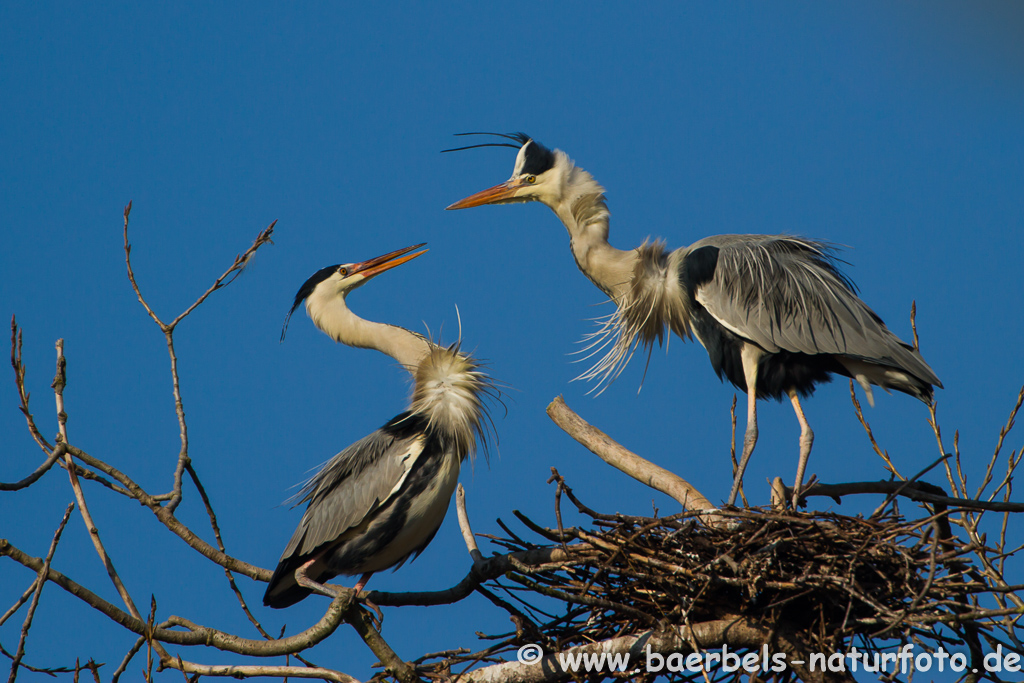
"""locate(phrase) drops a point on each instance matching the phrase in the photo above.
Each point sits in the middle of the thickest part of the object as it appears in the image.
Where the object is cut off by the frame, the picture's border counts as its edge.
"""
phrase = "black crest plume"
(520, 138)
(305, 290)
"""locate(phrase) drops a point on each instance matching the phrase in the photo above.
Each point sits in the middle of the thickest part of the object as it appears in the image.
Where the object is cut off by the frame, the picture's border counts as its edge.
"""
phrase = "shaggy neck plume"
(639, 281)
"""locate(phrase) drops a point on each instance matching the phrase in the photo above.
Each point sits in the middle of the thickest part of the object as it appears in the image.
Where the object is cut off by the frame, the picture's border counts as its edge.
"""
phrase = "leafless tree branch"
(40, 582)
(681, 584)
(168, 330)
(59, 382)
(618, 457)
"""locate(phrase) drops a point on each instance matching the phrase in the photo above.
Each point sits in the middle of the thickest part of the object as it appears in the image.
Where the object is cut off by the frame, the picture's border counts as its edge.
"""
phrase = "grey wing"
(786, 293)
(351, 486)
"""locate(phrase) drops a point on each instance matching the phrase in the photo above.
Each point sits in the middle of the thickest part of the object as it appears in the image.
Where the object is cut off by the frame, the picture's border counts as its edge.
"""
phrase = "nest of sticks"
(828, 581)
(765, 580)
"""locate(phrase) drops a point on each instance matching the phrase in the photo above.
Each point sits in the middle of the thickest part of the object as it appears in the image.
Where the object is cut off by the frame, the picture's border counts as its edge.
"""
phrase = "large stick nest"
(827, 580)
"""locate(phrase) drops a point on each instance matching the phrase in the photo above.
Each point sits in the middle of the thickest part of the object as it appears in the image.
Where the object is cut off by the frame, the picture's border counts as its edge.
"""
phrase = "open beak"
(376, 266)
(505, 190)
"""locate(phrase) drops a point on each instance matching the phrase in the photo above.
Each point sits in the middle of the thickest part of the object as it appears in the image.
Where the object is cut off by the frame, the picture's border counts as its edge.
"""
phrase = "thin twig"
(59, 382)
(884, 455)
(23, 395)
(39, 472)
(123, 666)
(20, 601)
(225, 279)
(40, 582)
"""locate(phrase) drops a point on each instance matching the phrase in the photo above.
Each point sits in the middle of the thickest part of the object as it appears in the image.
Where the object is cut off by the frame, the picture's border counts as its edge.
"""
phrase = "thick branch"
(467, 530)
(490, 568)
(360, 621)
(232, 671)
(735, 632)
(196, 635)
(917, 491)
(604, 447)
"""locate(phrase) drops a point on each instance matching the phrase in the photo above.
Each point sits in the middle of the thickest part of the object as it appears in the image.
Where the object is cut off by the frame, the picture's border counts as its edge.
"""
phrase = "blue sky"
(893, 129)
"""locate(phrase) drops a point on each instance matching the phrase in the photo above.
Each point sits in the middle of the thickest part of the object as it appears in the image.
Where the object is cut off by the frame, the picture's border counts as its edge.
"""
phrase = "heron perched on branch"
(774, 312)
(384, 497)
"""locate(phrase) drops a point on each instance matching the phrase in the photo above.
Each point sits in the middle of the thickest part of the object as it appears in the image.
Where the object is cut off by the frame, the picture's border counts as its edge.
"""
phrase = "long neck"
(339, 322)
(582, 209)
(643, 282)
(448, 386)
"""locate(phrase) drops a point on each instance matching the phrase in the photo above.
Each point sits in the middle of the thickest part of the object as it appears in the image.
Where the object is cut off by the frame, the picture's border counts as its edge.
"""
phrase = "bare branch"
(884, 455)
(920, 492)
(40, 471)
(467, 531)
(264, 237)
(131, 273)
(170, 521)
(735, 631)
(196, 635)
(360, 621)
(238, 671)
(19, 602)
(40, 581)
(123, 666)
(241, 261)
(227, 572)
(59, 382)
(490, 568)
(603, 446)
(19, 382)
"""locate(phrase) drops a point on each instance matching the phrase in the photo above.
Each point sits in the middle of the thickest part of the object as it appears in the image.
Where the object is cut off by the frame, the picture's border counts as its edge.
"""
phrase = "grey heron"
(774, 312)
(384, 497)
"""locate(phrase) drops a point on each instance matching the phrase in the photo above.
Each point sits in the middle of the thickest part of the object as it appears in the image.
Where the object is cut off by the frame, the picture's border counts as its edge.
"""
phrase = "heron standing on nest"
(774, 312)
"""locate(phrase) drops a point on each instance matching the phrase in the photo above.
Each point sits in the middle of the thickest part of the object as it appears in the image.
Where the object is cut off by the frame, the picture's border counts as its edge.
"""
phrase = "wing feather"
(787, 293)
(351, 486)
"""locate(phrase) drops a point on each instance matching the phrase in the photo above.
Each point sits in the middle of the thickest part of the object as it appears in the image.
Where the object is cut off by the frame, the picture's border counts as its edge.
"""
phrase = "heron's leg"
(806, 441)
(377, 610)
(319, 588)
(362, 581)
(750, 356)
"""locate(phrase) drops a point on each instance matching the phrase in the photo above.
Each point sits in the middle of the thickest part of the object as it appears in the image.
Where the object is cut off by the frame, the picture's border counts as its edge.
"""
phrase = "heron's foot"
(327, 589)
(798, 500)
(378, 616)
(736, 491)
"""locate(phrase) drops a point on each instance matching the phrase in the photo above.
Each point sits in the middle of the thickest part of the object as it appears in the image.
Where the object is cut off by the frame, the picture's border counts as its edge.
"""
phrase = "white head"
(539, 174)
(329, 286)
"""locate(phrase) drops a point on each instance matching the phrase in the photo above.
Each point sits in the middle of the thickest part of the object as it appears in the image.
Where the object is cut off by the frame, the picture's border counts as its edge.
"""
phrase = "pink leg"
(750, 356)
(806, 441)
(315, 586)
(362, 581)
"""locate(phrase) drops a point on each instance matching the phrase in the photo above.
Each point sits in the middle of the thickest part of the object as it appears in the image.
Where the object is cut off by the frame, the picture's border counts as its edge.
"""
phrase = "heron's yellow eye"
(531, 179)
(343, 271)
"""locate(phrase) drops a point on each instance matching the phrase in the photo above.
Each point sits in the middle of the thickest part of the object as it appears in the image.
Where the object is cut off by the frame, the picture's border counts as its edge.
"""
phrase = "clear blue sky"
(894, 129)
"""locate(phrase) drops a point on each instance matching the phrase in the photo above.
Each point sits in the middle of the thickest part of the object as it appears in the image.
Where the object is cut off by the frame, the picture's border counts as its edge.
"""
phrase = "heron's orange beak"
(505, 190)
(376, 266)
